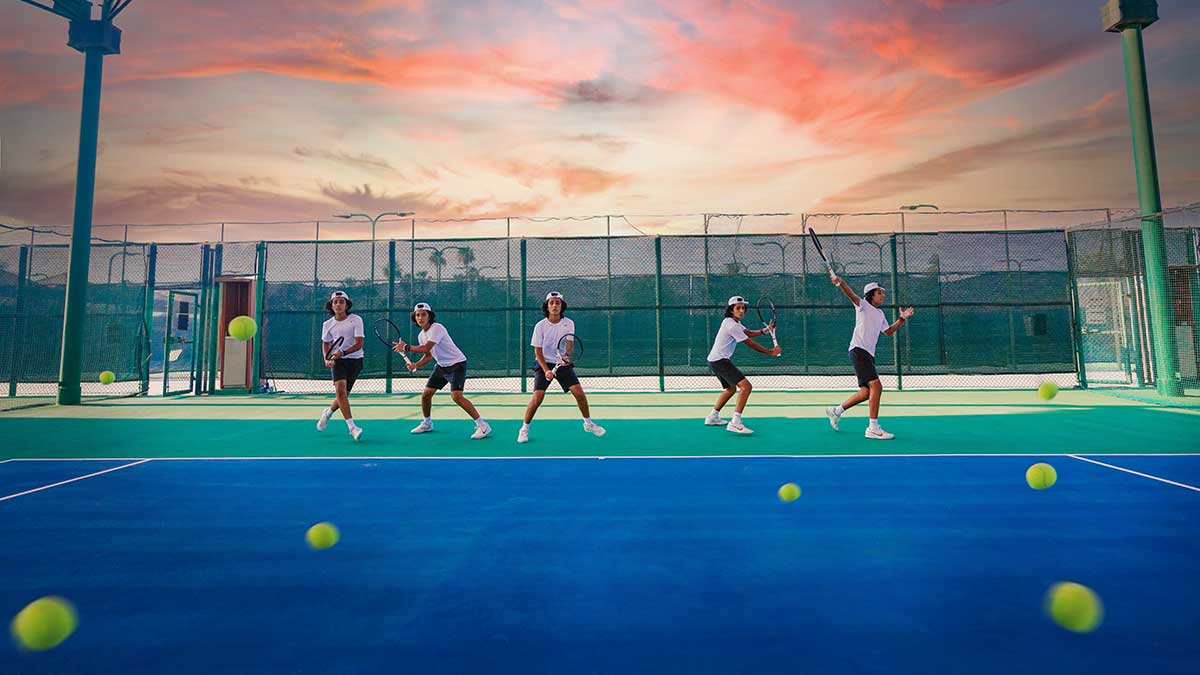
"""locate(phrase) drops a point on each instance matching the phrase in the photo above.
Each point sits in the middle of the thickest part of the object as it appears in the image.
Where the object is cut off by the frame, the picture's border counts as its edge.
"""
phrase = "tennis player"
(869, 322)
(732, 380)
(435, 343)
(546, 336)
(345, 363)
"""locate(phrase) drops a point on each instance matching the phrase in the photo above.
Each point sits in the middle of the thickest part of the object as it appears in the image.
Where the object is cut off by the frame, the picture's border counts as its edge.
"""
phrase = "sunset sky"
(272, 110)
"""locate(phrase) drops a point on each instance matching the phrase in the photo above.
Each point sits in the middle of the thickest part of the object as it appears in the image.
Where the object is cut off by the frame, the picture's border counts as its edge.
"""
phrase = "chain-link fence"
(1003, 308)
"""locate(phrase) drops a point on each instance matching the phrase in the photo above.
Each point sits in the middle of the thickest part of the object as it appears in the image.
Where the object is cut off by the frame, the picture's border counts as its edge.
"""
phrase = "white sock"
(874, 424)
(350, 423)
(714, 413)
(428, 420)
(839, 410)
(326, 414)
(587, 421)
(525, 426)
(479, 422)
(737, 417)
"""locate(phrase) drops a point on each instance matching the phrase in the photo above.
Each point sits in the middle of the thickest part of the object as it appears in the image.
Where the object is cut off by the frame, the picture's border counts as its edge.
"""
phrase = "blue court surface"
(886, 564)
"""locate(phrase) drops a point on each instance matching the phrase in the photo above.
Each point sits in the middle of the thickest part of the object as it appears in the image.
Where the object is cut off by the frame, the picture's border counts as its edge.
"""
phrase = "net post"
(521, 317)
(896, 305)
(1076, 325)
(391, 302)
(148, 315)
(18, 304)
(260, 281)
(662, 380)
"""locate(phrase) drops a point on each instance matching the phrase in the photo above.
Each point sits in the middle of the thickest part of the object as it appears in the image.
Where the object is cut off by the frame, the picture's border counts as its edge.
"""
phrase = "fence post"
(1076, 323)
(148, 317)
(662, 380)
(206, 262)
(507, 296)
(1012, 329)
(260, 283)
(896, 306)
(22, 273)
(608, 261)
(214, 318)
(1193, 250)
(390, 305)
(521, 319)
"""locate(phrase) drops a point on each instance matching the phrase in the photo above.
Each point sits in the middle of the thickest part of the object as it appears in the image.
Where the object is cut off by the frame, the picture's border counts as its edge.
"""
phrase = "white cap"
(554, 294)
(870, 287)
(422, 306)
(736, 300)
(338, 294)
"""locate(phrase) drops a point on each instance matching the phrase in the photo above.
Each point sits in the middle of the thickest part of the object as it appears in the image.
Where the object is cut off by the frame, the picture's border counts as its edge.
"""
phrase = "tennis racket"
(333, 347)
(820, 251)
(766, 314)
(567, 352)
(389, 335)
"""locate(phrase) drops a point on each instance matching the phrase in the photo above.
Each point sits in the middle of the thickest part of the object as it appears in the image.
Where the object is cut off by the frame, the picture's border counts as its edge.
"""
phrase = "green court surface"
(651, 424)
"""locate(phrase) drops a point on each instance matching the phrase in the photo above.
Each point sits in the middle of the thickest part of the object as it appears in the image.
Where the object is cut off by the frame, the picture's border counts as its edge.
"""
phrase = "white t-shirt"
(546, 335)
(728, 336)
(349, 328)
(869, 322)
(445, 352)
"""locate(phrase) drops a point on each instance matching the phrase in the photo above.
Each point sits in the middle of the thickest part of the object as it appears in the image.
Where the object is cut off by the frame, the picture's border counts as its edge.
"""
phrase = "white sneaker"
(737, 428)
(356, 433)
(523, 435)
(834, 418)
(481, 431)
(323, 420)
(715, 421)
(422, 428)
(594, 429)
(878, 434)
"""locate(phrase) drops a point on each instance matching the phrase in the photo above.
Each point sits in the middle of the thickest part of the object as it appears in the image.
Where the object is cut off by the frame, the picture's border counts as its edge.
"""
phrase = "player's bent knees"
(457, 396)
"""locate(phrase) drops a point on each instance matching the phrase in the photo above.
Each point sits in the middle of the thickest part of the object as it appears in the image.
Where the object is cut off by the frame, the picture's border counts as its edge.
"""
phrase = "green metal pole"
(1193, 249)
(608, 261)
(1157, 284)
(19, 308)
(260, 283)
(214, 320)
(391, 304)
(75, 315)
(197, 316)
(896, 308)
(1012, 328)
(521, 319)
(662, 380)
(148, 316)
(1076, 319)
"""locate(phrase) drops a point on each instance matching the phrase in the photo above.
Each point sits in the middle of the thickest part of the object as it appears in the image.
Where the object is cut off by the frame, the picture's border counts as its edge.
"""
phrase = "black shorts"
(727, 373)
(348, 370)
(864, 366)
(456, 375)
(565, 376)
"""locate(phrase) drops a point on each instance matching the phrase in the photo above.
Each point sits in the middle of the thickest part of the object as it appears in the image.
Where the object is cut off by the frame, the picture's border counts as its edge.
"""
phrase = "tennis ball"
(242, 328)
(1041, 476)
(1048, 390)
(789, 492)
(44, 623)
(322, 536)
(107, 377)
(1074, 607)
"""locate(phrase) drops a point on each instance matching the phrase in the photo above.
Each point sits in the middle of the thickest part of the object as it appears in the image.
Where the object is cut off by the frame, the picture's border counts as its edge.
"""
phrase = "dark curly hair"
(329, 305)
(871, 295)
(432, 317)
(729, 309)
(546, 307)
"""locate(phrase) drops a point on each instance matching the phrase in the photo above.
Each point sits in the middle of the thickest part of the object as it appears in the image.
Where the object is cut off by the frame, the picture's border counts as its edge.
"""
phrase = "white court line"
(1138, 473)
(510, 457)
(7, 460)
(72, 480)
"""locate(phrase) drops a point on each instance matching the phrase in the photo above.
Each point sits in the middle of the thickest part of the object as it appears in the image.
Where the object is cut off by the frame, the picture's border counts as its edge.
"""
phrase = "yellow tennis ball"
(1041, 476)
(1048, 390)
(789, 492)
(1074, 606)
(322, 536)
(107, 377)
(242, 328)
(44, 623)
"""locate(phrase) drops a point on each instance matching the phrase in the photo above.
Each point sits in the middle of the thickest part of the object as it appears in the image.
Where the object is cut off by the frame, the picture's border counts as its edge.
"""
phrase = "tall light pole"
(376, 219)
(95, 38)
(1130, 18)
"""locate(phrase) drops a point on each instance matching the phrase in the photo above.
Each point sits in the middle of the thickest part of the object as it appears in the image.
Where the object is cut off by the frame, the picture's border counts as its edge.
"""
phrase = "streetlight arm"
(120, 8)
(55, 10)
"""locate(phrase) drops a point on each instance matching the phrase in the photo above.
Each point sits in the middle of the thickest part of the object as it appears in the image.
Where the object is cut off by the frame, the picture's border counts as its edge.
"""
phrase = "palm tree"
(439, 261)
